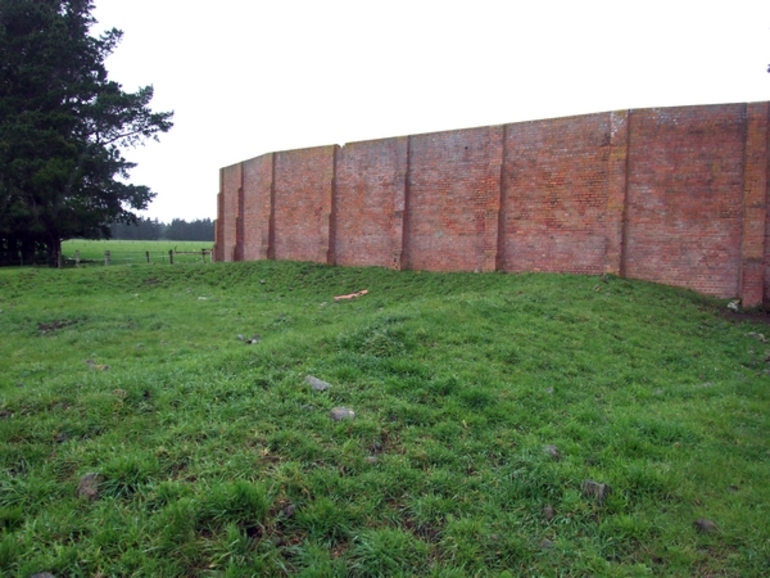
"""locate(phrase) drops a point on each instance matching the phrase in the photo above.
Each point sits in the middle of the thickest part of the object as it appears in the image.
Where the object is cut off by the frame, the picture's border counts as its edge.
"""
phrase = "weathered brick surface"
(555, 195)
(453, 199)
(369, 202)
(231, 183)
(677, 195)
(302, 203)
(685, 189)
(257, 182)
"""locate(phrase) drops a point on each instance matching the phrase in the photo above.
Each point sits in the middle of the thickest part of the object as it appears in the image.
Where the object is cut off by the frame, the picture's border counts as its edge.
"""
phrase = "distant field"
(158, 421)
(124, 252)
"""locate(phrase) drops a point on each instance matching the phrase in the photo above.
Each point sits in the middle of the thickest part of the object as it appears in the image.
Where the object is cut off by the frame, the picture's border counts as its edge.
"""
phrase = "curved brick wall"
(672, 195)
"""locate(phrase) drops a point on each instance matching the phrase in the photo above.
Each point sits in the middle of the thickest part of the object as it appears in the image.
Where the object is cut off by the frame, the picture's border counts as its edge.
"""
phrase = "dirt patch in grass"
(53, 326)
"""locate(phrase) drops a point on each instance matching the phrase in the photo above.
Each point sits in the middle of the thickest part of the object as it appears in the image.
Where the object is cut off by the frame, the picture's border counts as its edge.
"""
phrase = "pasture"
(158, 421)
(135, 252)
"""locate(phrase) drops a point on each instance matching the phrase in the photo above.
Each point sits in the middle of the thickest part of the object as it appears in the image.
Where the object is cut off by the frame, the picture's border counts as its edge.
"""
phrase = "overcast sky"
(247, 77)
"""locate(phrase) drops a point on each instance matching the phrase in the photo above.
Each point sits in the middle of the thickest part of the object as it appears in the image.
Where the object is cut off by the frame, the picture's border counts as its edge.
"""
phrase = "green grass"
(216, 459)
(135, 252)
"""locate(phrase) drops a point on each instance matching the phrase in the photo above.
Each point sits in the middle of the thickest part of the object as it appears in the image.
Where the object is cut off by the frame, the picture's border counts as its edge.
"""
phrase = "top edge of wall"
(521, 122)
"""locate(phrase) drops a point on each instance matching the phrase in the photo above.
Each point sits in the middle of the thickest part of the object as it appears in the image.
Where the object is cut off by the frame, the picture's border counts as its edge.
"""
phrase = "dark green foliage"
(63, 124)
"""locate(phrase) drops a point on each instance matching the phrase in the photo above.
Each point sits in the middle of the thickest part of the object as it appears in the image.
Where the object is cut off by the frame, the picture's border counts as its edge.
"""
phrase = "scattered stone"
(241, 337)
(376, 447)
(372, 460)
(98, 366)
(254, 339)
(88, 486)
(308, 407)
(261, 281)
(62, 437)
(548, 512)
(734, 306)
(705, 526)
(289, 509)
(5, 413)
(732, 488)
(545, 544)
(203, 298)
(317, 384)
(757, 336)
(552, 451)
(341, 413)
(596, 490)
(549, 390)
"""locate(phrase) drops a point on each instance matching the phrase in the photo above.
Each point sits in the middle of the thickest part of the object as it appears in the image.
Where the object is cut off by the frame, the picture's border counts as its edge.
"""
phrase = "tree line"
(146, 229)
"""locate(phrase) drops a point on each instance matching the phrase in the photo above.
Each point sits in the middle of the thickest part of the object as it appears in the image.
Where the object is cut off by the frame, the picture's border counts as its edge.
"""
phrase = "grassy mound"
(484, 406)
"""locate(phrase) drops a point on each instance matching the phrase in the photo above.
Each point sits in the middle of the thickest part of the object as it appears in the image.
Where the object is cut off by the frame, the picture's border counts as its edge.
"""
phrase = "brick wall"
(672, 195)
(684, 197)
(302, 203)
(453, 199)
(369, 203)
(555, 195)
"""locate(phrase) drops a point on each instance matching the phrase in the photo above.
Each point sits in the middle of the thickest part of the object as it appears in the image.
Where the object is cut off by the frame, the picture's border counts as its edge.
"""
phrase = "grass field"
(483, 406)
(135, 252)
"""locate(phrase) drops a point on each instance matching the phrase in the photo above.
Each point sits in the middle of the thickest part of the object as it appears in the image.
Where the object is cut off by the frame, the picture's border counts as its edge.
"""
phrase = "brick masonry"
(671, 195)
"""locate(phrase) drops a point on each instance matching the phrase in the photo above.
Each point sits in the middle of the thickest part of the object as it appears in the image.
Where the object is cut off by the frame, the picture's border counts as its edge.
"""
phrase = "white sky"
(247, 77)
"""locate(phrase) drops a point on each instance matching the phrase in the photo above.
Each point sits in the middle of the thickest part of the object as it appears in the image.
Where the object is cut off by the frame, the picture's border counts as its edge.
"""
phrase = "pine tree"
(63, 125)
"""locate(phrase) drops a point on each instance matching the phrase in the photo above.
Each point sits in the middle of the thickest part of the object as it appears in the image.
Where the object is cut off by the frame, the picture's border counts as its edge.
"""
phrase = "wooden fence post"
(77, 257)
(106, 257)
(203, 255)
(147, 256)
(171, 256)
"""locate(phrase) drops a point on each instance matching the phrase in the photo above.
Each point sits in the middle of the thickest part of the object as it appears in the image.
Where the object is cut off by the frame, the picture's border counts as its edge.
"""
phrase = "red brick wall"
(369, 202)
(684, 197)
(453, 198)
(258, 182)
(302, 203)
(677, 196)
(231, 183)
(555, 195)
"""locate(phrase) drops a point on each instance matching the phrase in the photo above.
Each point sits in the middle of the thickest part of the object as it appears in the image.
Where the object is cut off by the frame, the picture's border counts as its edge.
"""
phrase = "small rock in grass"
(757, 336)
(289, 509)
(548, 512)
(705, 526)
(596, 490)
(342, 413)
(546, 544)
(552, 451)
(62, 437)
(42, 575)
(317, 384)
(88, 486)
(241, 337)
(261, 281)
(5, 413)
(372, 459)
(549, 390)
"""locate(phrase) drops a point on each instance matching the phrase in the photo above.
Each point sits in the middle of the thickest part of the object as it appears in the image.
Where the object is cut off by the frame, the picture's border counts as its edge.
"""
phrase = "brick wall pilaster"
(617, 180)
(752, 274)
